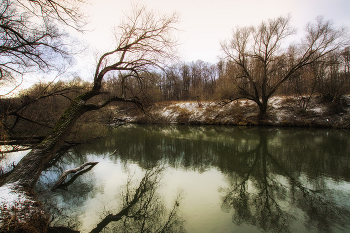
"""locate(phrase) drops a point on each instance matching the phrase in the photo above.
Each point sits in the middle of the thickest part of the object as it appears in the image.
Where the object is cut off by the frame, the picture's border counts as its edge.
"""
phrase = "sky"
(203, 23)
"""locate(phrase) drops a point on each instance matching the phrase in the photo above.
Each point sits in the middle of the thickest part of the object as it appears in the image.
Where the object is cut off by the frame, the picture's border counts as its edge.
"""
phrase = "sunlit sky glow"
(203, 23)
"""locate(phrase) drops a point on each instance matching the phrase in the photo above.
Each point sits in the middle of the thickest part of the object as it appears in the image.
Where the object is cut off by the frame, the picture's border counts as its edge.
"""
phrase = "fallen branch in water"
(67, 172)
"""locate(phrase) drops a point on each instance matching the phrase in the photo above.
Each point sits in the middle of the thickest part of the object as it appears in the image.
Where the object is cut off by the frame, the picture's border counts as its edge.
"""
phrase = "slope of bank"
(283, 111)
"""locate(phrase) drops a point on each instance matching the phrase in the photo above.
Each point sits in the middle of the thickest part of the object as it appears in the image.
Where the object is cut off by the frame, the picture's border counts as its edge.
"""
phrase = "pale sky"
(203, 23)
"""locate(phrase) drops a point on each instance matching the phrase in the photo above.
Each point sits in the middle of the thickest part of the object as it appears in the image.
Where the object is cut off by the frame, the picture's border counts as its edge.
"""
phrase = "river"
(206, 179)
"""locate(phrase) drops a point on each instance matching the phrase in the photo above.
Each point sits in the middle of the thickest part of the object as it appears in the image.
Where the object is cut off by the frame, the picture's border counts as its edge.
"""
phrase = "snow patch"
(10, 160)
(317, 110)
(12, 199)
(281, 116)
(276, 102)
(244, 103)
(169, 114)
(196, 110)
(10, 196)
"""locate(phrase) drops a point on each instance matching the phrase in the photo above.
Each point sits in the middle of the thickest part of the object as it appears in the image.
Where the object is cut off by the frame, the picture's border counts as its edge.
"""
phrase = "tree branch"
(64, 175)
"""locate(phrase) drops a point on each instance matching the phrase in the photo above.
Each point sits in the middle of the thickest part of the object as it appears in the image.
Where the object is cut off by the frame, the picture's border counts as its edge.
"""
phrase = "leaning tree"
(143, 41)
(263, 63)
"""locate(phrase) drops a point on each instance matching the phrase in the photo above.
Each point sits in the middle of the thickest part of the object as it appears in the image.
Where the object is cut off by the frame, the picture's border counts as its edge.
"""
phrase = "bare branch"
(28, 43)
(263, 65)
(64, 175)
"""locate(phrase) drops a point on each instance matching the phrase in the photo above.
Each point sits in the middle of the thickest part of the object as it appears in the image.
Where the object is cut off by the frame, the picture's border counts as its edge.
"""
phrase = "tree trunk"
(28, 170)
(262, 116)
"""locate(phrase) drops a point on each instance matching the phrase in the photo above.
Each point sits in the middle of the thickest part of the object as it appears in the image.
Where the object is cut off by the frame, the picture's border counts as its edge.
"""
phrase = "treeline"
(177, 82)
(328, 78)
(38, 108)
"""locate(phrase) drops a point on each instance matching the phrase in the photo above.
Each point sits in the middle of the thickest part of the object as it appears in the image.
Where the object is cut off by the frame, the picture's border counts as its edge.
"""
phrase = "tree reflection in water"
(277, 179)
(260, 185)
(143, 210)
(64, 202)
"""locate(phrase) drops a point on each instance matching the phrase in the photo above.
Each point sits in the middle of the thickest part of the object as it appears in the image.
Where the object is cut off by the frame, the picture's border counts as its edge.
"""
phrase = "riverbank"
(283, 111)
(20, 212)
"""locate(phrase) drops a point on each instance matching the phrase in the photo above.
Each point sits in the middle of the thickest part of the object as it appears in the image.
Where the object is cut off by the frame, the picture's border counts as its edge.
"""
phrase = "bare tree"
(143, 42)
(264, 65)
(28, 44)
(30, 38)
(65, 12)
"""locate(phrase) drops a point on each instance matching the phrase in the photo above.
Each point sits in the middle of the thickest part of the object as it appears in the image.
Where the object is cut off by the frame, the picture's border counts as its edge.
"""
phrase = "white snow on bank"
(283, 109)
(244, 103)
(190, 106)
(10, 160)
(276, 101)
(168, 112)
(196, 110)
(318, 110)
(10, 199)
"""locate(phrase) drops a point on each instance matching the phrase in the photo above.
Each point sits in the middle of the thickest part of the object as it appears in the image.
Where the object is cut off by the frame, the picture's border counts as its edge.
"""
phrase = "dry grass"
(24, 219)
(184, 116)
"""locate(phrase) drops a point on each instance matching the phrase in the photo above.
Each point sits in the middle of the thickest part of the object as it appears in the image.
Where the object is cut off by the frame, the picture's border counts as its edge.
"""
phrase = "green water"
(213, 179)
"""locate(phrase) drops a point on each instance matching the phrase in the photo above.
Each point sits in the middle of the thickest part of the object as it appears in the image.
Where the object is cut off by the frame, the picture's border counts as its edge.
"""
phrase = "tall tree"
(264, 64)
(143, 42)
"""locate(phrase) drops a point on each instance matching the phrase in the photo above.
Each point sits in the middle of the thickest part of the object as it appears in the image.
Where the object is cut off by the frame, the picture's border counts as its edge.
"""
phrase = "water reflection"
(264, 190)
(274, 180)
(142, 209)
(65, 203)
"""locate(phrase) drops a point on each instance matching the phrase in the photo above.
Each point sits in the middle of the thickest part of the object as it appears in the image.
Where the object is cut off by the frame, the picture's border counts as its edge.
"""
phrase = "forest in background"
(38, 108)
(257, 64)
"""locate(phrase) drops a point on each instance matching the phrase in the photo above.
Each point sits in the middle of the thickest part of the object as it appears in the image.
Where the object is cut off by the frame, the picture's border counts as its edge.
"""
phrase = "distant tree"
(172, 87)
(335, 79)
(190, 81)
(146, 89)
(186, 82)
(226, 84)
(203, 76)
(264, 64)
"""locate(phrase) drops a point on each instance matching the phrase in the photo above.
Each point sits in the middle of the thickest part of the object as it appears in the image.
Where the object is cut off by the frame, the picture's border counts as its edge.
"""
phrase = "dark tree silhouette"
(264, 65)
(143, 42)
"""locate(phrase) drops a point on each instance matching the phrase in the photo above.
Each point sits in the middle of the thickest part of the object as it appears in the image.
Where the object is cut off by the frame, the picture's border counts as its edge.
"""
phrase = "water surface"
(209, 179)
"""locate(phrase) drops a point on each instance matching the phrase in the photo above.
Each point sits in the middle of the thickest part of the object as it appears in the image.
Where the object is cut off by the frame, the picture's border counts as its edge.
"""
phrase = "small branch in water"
(67, 172)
